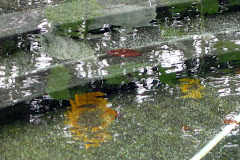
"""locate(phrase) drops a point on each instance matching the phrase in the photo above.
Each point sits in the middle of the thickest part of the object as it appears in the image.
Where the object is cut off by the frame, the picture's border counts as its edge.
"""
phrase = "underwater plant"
(192, 87)
(89, 117)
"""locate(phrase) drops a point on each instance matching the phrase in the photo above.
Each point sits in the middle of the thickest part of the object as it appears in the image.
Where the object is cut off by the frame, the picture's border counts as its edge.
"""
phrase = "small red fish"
(186, 128)
(124, 53)
(230, 121)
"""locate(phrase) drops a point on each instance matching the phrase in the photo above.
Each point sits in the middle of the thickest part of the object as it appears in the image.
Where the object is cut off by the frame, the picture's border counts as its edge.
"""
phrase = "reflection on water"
(7, 6)
(153, 113)
(226, 85)
(29, 53)
(152, 124)
(89, 118)
(172, 98)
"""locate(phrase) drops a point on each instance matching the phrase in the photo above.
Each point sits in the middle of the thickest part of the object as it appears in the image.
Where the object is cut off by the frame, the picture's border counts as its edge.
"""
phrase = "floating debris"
(124, 53)
(89, 117)
(192, 87)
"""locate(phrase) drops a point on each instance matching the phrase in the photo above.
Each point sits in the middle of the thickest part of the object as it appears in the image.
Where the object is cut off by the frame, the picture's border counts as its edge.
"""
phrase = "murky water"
(155, 117)
(163, 100)
(148, 122)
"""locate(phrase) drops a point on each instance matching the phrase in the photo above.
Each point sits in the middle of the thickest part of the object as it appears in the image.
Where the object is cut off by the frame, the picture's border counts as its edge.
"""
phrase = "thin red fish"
(230, 121)
(186, 128)
(124, 53)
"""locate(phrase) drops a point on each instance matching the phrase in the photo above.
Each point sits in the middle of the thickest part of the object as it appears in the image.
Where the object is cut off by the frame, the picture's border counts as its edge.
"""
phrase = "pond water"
(164, 99)
(155, 113)
(20, 5)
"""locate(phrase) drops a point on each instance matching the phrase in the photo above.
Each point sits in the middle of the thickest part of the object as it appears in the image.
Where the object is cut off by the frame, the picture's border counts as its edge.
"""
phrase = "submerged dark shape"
(124, 53)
